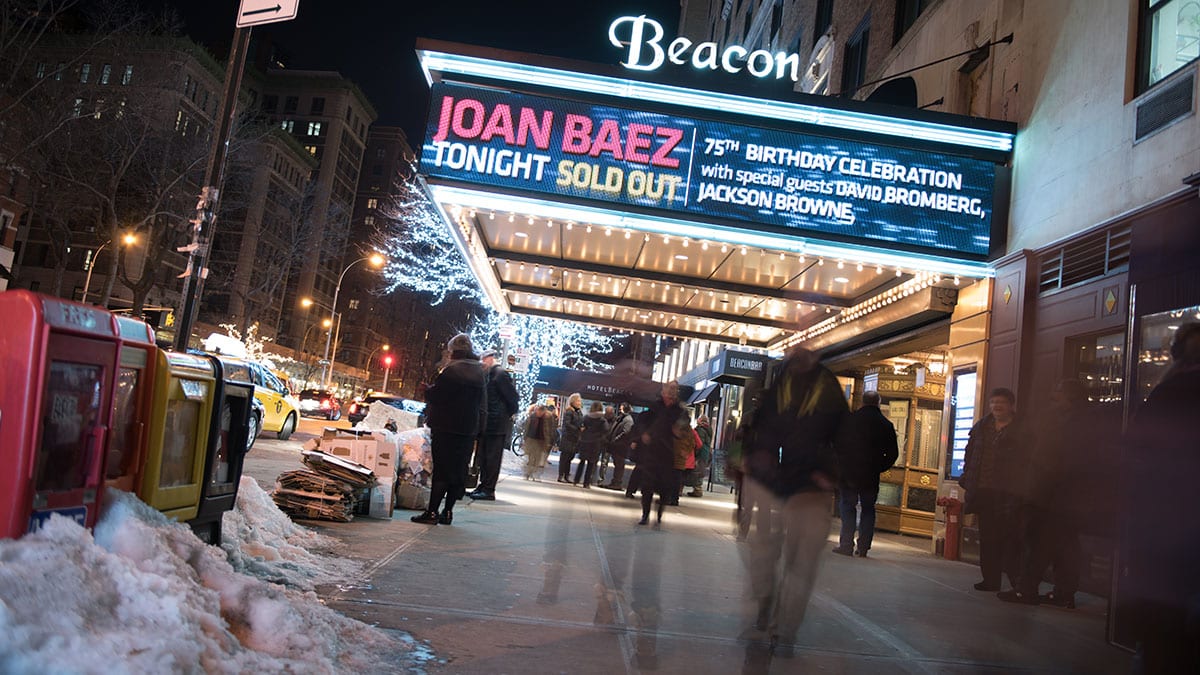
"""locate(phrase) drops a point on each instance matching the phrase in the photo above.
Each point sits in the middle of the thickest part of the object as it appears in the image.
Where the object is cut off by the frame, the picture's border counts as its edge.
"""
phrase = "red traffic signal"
(388, 361)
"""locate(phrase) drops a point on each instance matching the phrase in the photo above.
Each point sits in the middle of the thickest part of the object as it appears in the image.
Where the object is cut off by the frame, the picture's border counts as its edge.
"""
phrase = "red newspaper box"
(57, 370)
(133, 398)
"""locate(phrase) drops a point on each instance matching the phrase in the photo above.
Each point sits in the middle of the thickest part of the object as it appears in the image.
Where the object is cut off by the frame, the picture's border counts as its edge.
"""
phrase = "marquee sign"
(696, 168)
(643, 39)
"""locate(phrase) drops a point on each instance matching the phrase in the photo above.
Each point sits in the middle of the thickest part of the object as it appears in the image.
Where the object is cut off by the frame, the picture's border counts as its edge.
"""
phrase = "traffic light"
(388, 360)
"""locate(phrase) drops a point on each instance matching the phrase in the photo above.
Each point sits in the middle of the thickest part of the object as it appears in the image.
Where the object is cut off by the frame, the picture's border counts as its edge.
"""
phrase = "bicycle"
(516, 444)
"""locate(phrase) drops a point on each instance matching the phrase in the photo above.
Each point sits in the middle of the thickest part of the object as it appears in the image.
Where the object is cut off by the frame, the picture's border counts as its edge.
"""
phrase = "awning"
(702, 394)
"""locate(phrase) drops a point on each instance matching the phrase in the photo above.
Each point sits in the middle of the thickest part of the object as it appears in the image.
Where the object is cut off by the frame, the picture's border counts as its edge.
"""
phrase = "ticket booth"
(133, 399)
(57, 364)
(229, 438)
(185, 392)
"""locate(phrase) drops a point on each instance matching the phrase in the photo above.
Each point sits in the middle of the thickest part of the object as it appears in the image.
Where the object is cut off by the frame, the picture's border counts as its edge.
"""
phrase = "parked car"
(281, 410)
(320, 403)
(360, 407)
(257, 413)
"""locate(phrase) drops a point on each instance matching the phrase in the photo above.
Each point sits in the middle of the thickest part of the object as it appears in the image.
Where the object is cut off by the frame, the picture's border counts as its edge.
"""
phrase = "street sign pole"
(206, 208)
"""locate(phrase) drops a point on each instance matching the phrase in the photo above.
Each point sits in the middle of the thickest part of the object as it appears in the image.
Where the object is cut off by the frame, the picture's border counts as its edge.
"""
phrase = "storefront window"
(1099, 362)
(1154, 357)
(962, 412)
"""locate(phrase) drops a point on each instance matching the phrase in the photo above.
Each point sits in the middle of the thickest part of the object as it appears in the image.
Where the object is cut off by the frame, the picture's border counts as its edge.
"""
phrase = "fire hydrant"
(953, 508)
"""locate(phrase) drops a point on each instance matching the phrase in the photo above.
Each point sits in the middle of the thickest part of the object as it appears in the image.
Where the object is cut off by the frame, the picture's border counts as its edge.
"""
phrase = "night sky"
(371, 41)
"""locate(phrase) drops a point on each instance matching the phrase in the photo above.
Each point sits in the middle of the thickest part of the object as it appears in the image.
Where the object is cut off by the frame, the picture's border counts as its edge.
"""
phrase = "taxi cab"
(281, 410)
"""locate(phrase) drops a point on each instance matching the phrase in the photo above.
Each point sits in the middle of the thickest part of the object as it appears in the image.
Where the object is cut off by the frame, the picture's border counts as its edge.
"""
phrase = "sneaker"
(1057, 599)
(1017, 597)
(425, 518)
(843, 550)
(486, 496)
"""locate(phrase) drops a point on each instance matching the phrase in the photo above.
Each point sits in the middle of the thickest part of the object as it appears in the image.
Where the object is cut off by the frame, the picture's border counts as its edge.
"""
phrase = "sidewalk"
(552, 578)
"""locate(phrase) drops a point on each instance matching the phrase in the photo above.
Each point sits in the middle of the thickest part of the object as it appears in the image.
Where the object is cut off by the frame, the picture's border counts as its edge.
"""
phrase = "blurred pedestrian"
(788, 463)
(1160, 574)
(619, 437)
(501, 407)
(610, 418)
(703, 458)
(568, 442)
(591, 440)
(537, 440)
(654, 430)
(995, 476)
(866, 447)
(456, 411)
(685, 445)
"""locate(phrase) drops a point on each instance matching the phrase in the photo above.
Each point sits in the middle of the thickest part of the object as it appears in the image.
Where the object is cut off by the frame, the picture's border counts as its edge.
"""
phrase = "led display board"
(815, 185)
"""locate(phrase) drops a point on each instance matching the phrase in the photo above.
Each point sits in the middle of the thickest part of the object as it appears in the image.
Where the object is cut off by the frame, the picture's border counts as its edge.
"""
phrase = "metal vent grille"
(1173, 102)
(1085, 259)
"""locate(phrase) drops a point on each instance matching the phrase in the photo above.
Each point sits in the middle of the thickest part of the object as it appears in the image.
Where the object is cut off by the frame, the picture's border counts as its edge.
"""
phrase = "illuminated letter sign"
(837, 188)
(646, 52)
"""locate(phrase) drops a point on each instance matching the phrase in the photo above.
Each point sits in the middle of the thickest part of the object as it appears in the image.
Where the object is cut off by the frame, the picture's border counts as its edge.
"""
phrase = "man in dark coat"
(501, 406)
(456, 411)
(866, 447)
(995, 476)
(788, 465)
(1159, 574)
(619, 438)
(656, 449)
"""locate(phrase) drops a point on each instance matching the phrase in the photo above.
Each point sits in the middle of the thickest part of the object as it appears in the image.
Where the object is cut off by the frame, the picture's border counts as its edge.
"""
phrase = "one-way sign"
(258, 12)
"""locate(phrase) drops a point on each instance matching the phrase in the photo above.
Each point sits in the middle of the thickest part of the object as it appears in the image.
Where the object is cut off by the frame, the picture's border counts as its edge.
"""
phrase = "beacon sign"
(643, 37)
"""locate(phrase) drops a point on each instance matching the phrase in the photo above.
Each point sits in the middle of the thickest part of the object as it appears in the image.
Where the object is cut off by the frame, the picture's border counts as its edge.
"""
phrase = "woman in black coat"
(591, 441)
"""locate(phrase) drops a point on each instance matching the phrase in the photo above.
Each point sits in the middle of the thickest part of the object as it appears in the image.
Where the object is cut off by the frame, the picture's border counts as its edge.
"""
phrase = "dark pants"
(451, 453)
(1000, 539)
(491, 453)
(1054, 539)
(566, 453)
(618, 476)
(848, 500)
(664, 481)
(635, 480)
(587, 465)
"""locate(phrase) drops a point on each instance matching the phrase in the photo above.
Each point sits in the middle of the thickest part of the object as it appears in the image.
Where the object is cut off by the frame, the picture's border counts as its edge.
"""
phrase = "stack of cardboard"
(308, 494)
(348, 453)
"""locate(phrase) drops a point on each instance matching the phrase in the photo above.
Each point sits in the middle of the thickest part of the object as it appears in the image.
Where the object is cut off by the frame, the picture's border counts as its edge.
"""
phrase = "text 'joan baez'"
(583, 136)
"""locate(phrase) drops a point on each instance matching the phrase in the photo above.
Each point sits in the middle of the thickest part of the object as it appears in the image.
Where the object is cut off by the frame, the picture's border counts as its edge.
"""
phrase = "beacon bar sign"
(642, 37)
(682, 166)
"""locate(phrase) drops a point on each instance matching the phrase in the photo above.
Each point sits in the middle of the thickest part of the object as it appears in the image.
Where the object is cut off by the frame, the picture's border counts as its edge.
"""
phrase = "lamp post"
(371, 356)
(376, 260)
(387, 370)
(127, 239)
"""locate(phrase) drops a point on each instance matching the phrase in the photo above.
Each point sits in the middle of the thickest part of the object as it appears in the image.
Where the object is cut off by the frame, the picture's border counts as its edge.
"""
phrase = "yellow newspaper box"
(185, 387)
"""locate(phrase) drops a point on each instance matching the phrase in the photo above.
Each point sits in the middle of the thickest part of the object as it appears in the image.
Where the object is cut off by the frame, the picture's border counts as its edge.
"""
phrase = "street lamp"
(376, 260)
(128, 239)
(371, 356)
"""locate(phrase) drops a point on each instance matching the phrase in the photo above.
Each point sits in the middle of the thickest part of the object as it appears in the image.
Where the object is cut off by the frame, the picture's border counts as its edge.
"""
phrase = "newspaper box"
(133, 398)
(57, 370)
(228, 439)
(185, 392)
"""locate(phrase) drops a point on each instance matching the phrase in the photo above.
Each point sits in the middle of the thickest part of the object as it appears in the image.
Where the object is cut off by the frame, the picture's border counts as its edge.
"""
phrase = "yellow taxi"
(281, 409)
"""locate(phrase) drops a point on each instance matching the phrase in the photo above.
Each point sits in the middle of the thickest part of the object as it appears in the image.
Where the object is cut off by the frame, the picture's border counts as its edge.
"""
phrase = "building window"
(854, 61)
(312, 150)
(77, 108)
(270, 102)
(369, 220)
(314, 128)
(127, 76)
(372, 203)
(1170, 38)
(85, 71)
(318, 106)
(291, 103)
(907, 12)
(41, 71)
(824, 18)
(380, 153)
(288, 126)
(105, 73)
(58, 72)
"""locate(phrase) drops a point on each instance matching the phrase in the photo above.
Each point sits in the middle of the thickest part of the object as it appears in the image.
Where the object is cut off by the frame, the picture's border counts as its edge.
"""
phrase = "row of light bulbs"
(919, 282)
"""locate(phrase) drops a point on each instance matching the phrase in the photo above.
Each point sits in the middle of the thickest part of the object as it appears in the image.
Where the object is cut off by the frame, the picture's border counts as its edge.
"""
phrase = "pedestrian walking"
(685, 444)
(538, 431)
(456, 411)
(501, 407)
(788, 463)
(619, 438)
(610, 418)
(568, 442)
(1163, 515)
(703, 457)
(866, 447)
(995, 476)
(591, 440)
(654, 429)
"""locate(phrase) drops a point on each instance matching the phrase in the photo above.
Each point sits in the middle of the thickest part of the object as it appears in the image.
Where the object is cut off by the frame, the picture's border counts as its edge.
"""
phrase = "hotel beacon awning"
(578, 193)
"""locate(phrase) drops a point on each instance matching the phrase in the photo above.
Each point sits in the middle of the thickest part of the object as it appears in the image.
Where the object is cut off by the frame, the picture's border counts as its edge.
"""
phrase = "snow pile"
(262, 541)
(146, 596)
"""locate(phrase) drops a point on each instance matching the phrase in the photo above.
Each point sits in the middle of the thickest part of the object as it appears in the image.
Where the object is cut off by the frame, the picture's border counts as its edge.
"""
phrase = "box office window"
(70, 407)
(1169, 38)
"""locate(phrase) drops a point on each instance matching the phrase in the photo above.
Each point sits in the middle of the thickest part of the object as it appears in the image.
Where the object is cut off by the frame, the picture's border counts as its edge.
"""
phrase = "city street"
(551, 578)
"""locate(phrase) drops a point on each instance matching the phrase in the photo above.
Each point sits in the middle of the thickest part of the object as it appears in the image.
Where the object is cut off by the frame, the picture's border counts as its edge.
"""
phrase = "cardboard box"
(381, 500)
(411, 496)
